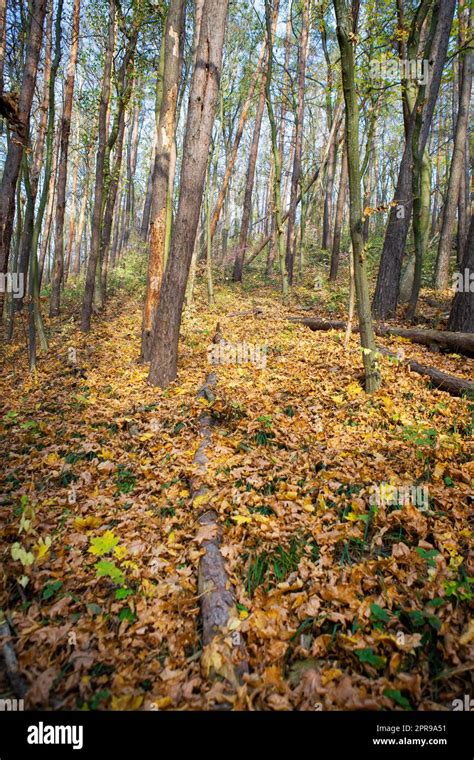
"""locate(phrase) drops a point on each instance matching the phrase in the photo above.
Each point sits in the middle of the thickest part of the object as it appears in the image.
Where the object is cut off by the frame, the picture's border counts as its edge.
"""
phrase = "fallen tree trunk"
(456, 386)
(459, 343)
(12, 670)
(224, 651)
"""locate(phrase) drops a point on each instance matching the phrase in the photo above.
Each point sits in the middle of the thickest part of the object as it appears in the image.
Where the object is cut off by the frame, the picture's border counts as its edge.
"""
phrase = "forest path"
(333, 594)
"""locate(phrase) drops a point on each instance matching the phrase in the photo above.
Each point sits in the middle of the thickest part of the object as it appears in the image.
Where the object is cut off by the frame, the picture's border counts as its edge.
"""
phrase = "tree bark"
(346, 30)
(341, 199)
(388, 280)
(58, 269)
(441, 278)
(235, 147)
(461, 317)
(165, 139)
(19, 135)
(296, 173)
(200, 120)
(88, 299)
(247, 204)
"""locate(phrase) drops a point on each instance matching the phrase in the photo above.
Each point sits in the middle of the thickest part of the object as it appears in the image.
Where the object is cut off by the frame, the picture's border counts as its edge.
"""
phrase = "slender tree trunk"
(3, 39)
(296, 173)
(58, 269)
(76, 267)
(200, 120)
(441, 278)
(145, 226)
(247, 204)
(421, 225)
(43, 223)
(99, 176)
(161, 179)
(72, 221)
(346, 32)
(388, 280)
(271, 12)
(461, 318)
(341, 198)
(235, 147)
(34, 175)
(20, 135)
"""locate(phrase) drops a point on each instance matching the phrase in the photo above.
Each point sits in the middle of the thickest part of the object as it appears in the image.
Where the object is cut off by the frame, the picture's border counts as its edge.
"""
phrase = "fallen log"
(12, 670)
(458, 343)
(224, 651)
(456, 386)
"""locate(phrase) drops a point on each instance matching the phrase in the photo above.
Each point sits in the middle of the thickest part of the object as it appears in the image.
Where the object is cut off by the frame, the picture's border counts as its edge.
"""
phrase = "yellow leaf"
(468, 634)
(330, 675)
(241, 519)
(126, 702)
(43, 547)
(162, 703)
(200, 500)
(87, 522)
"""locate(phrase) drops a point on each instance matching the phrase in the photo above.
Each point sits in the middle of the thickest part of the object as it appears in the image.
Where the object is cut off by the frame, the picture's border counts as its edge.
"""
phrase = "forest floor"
(343, 603)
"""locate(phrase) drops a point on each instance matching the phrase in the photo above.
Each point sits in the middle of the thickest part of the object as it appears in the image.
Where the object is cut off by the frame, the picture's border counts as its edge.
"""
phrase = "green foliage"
(109, 570)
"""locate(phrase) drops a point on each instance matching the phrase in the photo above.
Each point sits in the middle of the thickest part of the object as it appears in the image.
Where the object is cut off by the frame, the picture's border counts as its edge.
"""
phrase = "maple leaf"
(109, 570)
(103, 544)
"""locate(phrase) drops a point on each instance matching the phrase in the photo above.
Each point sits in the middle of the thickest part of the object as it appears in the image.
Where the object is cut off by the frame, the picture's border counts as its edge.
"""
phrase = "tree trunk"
(20, 135)
(58, 269)
(271, 14)
(99, 176)
(454, 342)
(200, 120)
(296, 173)
(441, 279)
(31, 187)
(238, 135)
(161, 179)
(346, 32)
(247, 204)
(461, 318)
(388, 280)
(341, 199)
